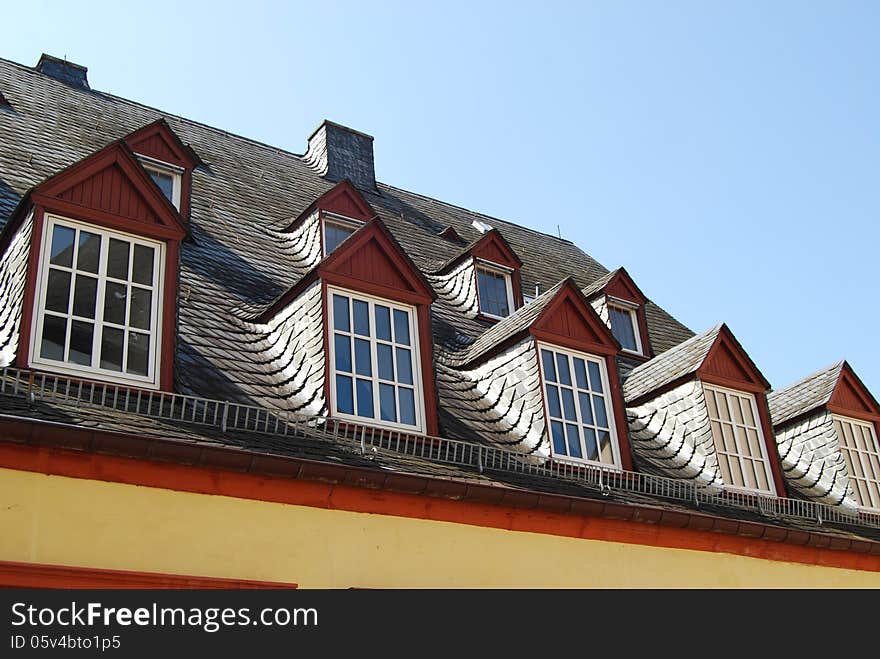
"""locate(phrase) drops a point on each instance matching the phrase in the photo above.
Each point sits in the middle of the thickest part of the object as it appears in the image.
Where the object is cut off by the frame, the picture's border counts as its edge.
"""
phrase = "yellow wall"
(86, 523)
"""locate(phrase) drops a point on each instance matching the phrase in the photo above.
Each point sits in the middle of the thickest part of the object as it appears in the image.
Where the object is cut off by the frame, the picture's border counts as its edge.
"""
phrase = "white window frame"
(415, 341)
(338, 220)
(152, 379)
(609, 407)
(856, 453)
(762, 443)
(176, 174)
(633, 309)
(495, 268)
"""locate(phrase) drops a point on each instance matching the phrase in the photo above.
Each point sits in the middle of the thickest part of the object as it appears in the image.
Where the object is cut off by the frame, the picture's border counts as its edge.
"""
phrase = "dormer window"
(336, 229)
(625, 325)
(494, 289)
(99, 303)
(578, 407)
(858, 443)
(167, 177)
(739, 440)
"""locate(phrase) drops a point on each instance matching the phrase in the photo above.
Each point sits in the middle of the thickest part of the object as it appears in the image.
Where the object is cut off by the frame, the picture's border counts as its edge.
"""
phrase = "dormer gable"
(158, 141)
(342, 199)
(373, 261)
(728, 364)
(852, 398)
(622, 304)
(110, 188)
(568, 320)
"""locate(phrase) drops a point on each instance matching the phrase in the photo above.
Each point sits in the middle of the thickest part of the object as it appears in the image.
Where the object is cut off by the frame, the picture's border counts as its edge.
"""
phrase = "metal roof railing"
(226, 416)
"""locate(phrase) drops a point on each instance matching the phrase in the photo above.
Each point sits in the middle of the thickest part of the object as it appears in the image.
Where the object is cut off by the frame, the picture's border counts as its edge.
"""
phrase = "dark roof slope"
(804, 395)
(243, 194)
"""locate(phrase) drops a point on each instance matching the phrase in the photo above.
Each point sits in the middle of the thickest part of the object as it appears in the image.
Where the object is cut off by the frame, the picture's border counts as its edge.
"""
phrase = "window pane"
(562, 366)
(89, 252)
(62, 246)
(84, 296)
(111, 348)
(342, 351)
(362, 359)
(333, 235)
(592, 446)
(601, 416)
(574, 441)
(549, 366)
(365, 398)
(340, 313)
(553, 402)
(344, 395)
(361, 317)
(586, 410)
(404, 366)
(53, 340)
(622, 327)
(493, 293)
(568, 405)
(81, 343)
(114, 303)
(141, 306)
(383, 322)
(401, 327)
(580, 373)
(142, 268)
(386, 362)
(138, 353)
(407, 406)
(606, 452)
(58, 290)
(723, 410)
(595, 377)
(117, 259)
(558, 438)
(387, 403)
(164, 181)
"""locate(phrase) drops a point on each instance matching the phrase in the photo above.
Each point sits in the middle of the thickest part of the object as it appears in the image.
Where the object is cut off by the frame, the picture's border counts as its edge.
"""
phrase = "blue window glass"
(386, 362)
(344, 395)
(387, 403)
(340, 313)
(334, 234)
(362, 359)
(574, 440)
(404, 366)
(407, 406)
(361, 314)
(595, 378)
(365, 398)
(342, 349)
(558, 438)
(383, 323)
(492, 289)
(549, 366)
(401, 327)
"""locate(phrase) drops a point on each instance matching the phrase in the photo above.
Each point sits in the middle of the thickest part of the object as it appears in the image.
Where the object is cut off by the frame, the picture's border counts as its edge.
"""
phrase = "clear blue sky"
(726, 153)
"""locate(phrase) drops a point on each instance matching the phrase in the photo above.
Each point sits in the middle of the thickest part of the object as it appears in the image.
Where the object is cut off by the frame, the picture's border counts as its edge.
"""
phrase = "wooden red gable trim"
(852, 398)
(111, 189)
(727, 364)
(622, 286)
(569, 321)
(157, 140)
(342, 199)
(372, 261)
(492, 247)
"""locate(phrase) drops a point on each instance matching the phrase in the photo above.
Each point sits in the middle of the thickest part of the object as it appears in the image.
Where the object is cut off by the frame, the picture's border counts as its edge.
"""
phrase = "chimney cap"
(70, 73)
(327, 122)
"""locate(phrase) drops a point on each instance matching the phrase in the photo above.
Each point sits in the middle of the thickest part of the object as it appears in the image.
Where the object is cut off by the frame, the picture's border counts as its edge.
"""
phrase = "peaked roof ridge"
(598, 284)
(678, 361)
(467, 249)
(804, 395)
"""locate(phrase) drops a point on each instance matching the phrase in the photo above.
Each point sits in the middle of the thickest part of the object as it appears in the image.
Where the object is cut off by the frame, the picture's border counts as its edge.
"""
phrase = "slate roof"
(675, 363)
(804, 395)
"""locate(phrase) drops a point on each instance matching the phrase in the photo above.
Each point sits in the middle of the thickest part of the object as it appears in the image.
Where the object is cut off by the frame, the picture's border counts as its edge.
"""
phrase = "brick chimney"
(337, 152)
(64, 71)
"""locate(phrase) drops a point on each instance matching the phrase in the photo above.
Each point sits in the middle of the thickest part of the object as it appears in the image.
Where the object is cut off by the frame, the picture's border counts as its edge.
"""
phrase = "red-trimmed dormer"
(621, 304)
(342, 210)
(101, 287)
(167, 160)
